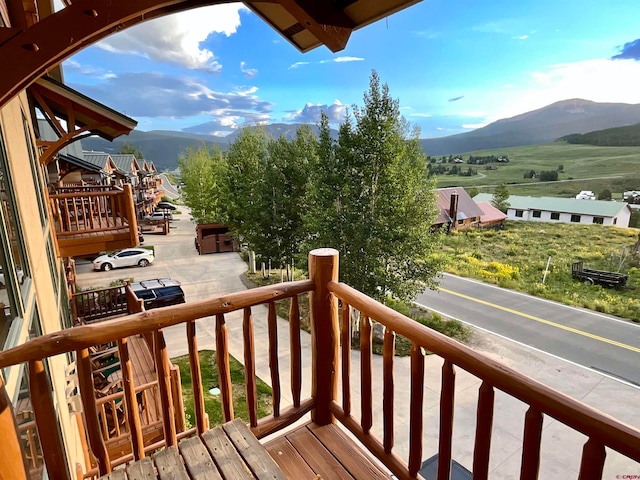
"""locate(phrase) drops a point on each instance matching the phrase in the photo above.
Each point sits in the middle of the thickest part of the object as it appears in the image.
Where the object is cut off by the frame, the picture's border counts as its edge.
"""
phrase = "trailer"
(599, 277)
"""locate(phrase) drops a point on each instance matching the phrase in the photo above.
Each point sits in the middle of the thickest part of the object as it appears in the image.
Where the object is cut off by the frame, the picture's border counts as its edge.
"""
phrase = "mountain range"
(545, 125)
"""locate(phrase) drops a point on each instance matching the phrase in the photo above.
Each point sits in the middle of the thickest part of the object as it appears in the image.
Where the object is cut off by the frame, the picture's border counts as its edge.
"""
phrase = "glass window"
(537, 214)
(13, 265)
(555, 216)
(575, 218)
(598, 220)
(519, 213)
(36, 173)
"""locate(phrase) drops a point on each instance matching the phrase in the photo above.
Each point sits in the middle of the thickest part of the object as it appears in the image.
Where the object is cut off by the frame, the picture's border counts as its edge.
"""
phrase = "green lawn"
(212, 403)
(584, 168)
(516, 258)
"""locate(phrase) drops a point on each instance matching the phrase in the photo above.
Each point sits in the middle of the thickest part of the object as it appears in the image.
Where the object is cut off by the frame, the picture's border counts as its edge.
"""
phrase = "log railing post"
(47, 420)
(12, 461)
(323, 268)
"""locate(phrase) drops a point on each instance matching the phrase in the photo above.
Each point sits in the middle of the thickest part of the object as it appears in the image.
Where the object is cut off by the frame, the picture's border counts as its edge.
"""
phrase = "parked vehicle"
(159, 215)
(166, 206)
(159, 292)
(127, 257)
(599, 277)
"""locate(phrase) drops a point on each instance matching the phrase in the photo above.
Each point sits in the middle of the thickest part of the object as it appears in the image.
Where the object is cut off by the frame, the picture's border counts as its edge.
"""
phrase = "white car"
(127, 257)
(19, 274)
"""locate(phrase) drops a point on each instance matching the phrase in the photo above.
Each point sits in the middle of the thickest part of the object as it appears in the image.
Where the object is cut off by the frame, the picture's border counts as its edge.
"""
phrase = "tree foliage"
(203, 174)
(605, 194)
(130, 149)
(372, 200)
(367, 194)
(500, 199)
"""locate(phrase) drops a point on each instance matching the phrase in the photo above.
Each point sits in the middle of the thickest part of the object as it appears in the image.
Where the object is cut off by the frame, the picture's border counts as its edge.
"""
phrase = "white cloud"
(600, 80)
(311, 113)
(348, 59)
(342, 60)
(177, 38)
(297, 64)
(521, 37)
(421, 115)
(473, 126)
(248, 72)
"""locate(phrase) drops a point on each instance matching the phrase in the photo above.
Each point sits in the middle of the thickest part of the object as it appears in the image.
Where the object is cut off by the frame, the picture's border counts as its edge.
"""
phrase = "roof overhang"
(308, 24)
(80, 115)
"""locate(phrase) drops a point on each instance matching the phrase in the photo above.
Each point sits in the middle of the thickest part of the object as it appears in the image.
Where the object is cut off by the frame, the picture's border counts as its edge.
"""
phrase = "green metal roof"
(599, 208)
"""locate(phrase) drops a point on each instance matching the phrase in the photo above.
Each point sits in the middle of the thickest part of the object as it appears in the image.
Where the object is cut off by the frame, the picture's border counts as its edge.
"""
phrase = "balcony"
(340, 398)
(93, 219)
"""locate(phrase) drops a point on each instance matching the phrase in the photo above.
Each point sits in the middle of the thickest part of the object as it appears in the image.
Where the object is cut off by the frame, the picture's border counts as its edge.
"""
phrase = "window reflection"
(13, 267)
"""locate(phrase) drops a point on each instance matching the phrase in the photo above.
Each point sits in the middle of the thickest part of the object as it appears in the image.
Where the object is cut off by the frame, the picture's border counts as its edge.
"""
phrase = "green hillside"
(579, 167)
(612, 137)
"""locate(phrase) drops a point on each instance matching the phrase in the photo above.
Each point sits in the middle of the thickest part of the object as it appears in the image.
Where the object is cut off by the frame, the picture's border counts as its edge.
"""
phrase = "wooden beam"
(329, 25)
(34, 51)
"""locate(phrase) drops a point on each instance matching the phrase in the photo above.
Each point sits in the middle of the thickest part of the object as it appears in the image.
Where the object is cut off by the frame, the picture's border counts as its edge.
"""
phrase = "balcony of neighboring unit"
(93, 219)
(334, 413)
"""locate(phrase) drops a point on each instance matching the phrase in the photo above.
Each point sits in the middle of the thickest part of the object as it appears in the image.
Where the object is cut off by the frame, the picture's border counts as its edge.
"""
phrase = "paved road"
(604, 343)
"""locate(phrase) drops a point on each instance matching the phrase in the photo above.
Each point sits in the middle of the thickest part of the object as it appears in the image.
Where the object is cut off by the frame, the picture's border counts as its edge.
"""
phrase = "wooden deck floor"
(312, 452)
(227, 452)
(231, 452)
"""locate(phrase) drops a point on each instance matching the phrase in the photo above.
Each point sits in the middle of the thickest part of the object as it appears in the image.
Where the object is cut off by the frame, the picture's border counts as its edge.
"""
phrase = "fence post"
(323, 268)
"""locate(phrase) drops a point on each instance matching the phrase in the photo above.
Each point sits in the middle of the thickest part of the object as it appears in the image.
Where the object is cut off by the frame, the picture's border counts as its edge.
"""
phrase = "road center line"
(542, 320)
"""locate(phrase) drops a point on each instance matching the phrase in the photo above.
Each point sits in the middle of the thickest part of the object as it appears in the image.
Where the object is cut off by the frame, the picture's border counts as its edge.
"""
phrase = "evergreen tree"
(203, 174)
(130, 149)
(371, 199)
(500, 198)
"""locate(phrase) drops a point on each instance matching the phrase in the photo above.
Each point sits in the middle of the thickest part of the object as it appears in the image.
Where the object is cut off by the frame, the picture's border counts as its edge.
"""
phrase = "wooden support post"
(164, 384)
(96, 441)
(130, 401)
(47, 421)
(178, 403)
(323, 268)
(12, 461)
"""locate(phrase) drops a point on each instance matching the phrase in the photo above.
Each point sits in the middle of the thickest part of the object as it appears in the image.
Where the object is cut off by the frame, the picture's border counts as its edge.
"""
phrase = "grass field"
(585, 167)
(516, 258)
(212, 403)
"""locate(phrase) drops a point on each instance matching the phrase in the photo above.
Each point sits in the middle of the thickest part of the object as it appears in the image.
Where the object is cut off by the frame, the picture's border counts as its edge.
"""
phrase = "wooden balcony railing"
(329, 360)
(91, 219)
(97, 304)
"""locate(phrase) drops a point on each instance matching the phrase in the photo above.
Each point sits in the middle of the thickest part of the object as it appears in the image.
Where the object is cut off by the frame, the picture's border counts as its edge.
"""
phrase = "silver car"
(127, 257)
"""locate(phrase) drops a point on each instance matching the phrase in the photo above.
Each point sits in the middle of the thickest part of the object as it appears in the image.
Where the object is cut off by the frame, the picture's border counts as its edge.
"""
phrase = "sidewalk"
(210, 276)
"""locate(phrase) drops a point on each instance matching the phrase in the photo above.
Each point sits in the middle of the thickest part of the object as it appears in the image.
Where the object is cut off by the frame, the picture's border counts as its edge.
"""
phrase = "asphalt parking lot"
(201, 276)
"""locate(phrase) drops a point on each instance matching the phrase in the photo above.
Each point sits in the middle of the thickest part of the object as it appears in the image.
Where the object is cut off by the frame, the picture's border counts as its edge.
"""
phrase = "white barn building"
(565, 210)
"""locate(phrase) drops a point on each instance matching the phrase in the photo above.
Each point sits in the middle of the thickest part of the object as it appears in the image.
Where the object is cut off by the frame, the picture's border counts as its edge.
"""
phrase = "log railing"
(91, 209)
(602, 431)
(100, 303)
(103, 425)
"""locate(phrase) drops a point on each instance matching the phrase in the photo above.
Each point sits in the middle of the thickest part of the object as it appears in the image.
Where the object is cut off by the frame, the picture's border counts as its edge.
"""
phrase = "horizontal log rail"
(601, 429)
(111, 418)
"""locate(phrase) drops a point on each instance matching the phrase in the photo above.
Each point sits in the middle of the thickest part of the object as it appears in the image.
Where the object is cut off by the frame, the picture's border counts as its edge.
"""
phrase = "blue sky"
(454, 66)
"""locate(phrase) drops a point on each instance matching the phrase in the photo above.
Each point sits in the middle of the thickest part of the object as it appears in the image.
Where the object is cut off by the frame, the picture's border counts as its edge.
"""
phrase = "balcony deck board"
(230, 449)
(312, 451)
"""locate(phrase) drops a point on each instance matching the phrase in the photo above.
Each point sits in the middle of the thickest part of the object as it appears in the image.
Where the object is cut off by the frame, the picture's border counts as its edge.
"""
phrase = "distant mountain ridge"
(544, 125)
